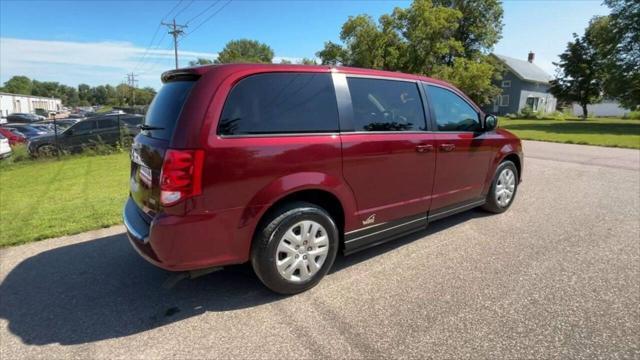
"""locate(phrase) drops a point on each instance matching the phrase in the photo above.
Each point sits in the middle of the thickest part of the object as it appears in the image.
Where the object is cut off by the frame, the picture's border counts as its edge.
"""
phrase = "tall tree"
(18, 85)
(201, 61)
(333, 54)
(479, 27)
(245, 51)
(617, 41)
(579, 74)
(438, 38)
(84, 93)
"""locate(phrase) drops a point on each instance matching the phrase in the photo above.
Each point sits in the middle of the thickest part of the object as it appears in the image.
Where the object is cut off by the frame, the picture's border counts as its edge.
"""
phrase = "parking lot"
(558, 275)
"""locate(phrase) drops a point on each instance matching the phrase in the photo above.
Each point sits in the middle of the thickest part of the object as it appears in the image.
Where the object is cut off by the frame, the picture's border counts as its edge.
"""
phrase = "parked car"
(13, 136)
(24, 118)
(84, 133)
(5, 148)
(28, 130)
(61, 123)
(284, 166)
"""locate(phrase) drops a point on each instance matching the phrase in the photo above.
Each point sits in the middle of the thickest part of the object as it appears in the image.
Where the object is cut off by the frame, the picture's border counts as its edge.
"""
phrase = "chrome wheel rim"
(505, 187)
(302, 251)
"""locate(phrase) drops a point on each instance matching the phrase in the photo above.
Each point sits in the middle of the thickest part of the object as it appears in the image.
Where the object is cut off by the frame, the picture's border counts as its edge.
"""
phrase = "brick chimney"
(531, 57)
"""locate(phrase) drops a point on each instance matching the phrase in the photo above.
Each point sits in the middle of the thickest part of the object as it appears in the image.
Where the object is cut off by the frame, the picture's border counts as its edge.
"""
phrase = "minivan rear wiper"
(149, 127)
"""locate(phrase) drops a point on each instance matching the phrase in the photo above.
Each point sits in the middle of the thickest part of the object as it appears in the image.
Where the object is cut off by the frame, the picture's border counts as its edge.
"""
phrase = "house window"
(506, 83)
(504, 100)
(532, 102)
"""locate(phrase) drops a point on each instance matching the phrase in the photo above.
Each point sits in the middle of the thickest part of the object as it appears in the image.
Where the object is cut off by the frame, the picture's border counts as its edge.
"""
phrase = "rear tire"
(294, 247)
(503, 188)
(48, 150)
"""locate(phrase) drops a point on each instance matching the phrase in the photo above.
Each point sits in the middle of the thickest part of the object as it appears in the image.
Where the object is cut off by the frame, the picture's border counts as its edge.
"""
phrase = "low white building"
(16, 103)
(605, 108)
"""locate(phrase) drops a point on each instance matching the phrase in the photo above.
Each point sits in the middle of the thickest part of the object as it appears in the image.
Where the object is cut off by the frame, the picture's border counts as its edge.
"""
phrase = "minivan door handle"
(447, 147)
(424, 148)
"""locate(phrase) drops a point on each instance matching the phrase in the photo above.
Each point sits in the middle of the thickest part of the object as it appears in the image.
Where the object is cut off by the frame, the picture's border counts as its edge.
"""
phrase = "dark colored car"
(28, 130)
(62, 124)
(285, 165)
(84, 133)
(13, 135)
(24, 118)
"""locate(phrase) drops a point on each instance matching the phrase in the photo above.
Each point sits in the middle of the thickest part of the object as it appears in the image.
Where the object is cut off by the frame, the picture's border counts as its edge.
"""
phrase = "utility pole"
(176, 30)
(133, 84)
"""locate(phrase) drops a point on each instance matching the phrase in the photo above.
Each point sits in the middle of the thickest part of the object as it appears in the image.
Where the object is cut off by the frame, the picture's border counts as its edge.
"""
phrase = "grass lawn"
(598, 131)
(45, 199)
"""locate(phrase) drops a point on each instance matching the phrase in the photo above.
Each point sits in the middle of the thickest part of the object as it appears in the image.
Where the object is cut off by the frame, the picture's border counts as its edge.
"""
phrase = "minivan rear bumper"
(180, 243)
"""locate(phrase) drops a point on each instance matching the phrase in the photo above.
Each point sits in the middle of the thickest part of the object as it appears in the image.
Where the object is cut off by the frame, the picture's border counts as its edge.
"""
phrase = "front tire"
(503, 188)
(294, 248)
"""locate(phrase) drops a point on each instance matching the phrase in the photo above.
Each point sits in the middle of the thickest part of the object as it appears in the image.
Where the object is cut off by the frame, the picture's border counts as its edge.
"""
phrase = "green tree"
(430, 38)
(307, 61)
(480, 26)
(578, 77)
(84, 93)
(200, 61)
(18, 85)
(333, 54)
(144, 95)
(99, 95)
(285, 61)
(617, 41)
(475, 76)
(428, 30)
(245, 51)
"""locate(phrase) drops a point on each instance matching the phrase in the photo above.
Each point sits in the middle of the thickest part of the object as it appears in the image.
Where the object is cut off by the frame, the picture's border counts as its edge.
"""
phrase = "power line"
(157, 58)
(209, 18)
(155, 34)
(183, 9)
(202, 12)
(170, 11)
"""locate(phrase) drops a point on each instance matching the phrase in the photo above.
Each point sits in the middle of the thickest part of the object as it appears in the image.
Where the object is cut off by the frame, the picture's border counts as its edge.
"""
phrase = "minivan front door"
(388, 159)
(463, 154)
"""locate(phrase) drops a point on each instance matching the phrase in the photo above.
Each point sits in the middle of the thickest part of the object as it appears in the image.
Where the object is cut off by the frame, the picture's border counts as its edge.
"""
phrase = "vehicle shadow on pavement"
(102, 289)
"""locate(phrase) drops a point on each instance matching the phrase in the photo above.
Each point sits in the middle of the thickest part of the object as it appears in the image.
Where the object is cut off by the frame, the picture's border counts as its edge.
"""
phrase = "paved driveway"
(556, 276)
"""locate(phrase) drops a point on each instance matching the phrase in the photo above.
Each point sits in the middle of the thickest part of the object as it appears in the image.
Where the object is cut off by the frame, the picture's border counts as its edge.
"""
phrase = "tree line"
(83, 95)
(452, 40)
(448, 39)
(604, 61)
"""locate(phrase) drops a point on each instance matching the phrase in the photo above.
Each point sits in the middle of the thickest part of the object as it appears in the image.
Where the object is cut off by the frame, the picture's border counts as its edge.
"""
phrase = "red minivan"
(285, 165)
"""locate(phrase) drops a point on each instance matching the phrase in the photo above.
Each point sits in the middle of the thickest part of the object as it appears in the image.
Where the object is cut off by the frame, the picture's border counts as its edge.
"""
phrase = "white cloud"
(94, 63)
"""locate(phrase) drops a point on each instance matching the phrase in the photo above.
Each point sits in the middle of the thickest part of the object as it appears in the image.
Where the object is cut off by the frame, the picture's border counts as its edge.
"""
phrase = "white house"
(605, 108)
(15, 103)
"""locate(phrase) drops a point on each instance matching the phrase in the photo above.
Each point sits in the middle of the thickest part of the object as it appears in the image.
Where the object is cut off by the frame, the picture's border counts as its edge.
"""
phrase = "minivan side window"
(107, 123)
(385, 105)
(84, 126)
(451, 111)
(280, 103)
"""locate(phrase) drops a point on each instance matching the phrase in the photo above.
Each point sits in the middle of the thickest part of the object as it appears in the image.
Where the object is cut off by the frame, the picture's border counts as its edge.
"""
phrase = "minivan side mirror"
(490, 122)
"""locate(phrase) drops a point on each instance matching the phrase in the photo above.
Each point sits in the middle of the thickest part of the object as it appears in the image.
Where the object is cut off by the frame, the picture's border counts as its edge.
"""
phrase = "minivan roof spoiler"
(180, 74)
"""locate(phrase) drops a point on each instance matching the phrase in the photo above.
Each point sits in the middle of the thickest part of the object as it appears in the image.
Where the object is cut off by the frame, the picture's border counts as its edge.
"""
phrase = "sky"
(99, 42)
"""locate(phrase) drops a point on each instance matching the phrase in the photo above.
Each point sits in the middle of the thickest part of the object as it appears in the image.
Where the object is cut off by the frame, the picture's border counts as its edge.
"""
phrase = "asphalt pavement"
(557, 276)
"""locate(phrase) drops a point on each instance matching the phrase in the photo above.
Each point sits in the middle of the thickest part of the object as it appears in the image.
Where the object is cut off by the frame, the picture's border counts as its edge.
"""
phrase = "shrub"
(635, 115)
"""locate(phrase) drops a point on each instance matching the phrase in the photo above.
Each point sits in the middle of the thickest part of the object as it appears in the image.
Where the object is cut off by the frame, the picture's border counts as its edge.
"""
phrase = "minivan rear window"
(165, 108)
(281, 103)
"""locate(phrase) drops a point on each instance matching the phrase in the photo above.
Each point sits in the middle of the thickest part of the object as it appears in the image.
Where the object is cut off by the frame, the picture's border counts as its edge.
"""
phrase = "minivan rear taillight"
(181, 175)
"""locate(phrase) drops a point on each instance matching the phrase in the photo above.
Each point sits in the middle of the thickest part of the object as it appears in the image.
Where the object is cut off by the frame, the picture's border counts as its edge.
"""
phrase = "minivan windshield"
(165, 109)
